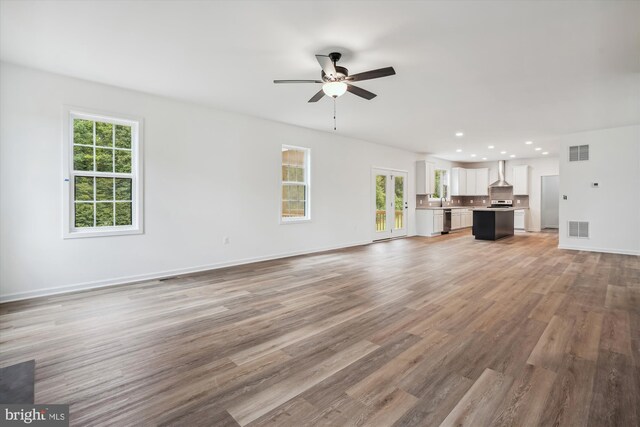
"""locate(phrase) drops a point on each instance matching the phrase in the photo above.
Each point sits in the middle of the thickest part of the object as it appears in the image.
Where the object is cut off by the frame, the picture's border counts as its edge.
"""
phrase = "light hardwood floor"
(445, 331)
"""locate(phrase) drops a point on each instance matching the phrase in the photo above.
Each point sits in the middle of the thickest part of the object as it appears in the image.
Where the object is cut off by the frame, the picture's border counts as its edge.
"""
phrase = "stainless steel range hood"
(501, 182)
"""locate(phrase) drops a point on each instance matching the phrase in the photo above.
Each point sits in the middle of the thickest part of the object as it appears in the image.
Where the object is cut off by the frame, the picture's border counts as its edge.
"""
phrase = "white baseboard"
(163, 274)
(603, 250)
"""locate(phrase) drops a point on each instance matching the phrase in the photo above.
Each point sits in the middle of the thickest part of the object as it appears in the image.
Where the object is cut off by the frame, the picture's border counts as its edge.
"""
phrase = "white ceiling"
(502, 72)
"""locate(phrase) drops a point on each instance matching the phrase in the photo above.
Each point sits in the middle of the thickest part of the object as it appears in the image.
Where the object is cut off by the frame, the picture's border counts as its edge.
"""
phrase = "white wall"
(208, 174)
(538, 167)
(613, 209)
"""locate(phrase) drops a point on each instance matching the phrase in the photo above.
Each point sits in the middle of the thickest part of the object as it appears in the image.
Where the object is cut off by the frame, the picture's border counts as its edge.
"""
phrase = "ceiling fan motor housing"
(341, 74)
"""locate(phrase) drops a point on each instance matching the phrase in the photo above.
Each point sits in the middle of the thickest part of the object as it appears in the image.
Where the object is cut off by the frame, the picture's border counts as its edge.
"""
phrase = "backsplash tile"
(471, 201)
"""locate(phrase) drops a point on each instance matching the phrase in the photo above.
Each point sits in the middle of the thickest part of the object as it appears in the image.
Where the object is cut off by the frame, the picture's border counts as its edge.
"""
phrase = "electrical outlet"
(225, 240)
(484, 201)
(420, 201)
(518, 201)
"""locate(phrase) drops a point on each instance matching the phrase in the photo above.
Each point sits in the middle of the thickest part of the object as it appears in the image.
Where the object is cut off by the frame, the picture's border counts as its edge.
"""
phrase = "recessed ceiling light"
(473, 155)
(538, 148)
(459, 150)
(491, 147)
(484, 158)
(529, 142)
(459, 134)
(503, 152)
(545, 152)
(513, 155)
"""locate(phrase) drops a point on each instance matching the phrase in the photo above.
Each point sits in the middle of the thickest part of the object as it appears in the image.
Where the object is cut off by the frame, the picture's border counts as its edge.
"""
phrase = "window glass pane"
(104, 134)
(104, 160)
(83, 189)
(123, 136)
(104, 188)
(294, 197)
(381, 202)
(399, 201)
(82, 158)
(123, 213)
(84, 214)
(104, 214)
(123, 161)
(123, 189)
(82, 132)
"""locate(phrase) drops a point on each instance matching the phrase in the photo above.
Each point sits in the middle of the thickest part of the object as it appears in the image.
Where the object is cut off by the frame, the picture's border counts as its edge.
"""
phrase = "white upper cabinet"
(469, 182)
(425, 177)
(458, 182)
(482, 182)
(520, 180)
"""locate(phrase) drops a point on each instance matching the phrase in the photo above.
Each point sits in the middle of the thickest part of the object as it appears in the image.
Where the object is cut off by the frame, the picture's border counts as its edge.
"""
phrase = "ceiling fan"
(336, 79)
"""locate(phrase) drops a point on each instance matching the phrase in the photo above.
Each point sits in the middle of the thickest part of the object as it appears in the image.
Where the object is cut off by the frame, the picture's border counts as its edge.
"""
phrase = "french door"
(390, 205)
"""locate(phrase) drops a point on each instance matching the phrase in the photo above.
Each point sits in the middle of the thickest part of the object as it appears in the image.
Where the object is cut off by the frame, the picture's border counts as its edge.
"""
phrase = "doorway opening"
(550, 202)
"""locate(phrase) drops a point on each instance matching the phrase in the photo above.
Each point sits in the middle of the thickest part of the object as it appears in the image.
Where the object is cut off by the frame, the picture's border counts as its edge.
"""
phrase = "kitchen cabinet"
(461, 218)
(425, 177)
(429, 222)
(458, 181)
(467, 218)
(482, 182)
(438, 222)
(456, 219)
(470, 182)
(519, 219)
(520, 180)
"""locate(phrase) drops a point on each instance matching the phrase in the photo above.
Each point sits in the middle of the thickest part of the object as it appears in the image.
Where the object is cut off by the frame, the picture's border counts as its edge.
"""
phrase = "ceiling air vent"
(578, 153)
(579, 229)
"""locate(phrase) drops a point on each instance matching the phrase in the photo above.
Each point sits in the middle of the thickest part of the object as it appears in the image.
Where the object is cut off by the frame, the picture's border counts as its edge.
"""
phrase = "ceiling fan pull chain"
(334, 114)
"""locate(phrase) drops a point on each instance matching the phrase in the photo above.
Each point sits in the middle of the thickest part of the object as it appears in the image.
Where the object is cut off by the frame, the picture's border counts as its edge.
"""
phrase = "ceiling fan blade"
(373, 74)
(297, 81)
(317, 96)
(360, 92)
(327, 65)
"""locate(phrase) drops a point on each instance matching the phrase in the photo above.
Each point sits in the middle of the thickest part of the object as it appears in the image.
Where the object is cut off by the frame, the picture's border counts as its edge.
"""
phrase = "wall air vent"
(579, 229)
(578, 153)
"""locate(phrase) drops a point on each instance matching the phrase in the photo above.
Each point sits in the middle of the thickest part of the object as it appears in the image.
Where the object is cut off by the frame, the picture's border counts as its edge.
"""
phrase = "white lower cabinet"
(438, 222)
(461, 218)
(467, 216)
(456, 219)
(429, 222)
(519, 219)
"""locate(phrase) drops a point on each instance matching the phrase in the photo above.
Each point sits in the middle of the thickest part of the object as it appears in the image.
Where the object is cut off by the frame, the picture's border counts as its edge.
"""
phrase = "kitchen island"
(492, 223)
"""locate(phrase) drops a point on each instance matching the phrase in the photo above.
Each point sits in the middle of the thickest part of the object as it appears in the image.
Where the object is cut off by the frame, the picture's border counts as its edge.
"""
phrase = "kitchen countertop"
(498, 209)
(437, 208)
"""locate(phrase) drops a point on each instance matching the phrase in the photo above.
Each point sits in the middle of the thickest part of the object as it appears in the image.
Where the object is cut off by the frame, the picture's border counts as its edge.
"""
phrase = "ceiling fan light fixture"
(334, 89)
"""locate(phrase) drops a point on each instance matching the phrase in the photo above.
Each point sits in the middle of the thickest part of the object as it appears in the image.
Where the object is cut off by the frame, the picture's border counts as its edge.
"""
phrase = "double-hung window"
(441, 185)
(103, 182)
(295, 203)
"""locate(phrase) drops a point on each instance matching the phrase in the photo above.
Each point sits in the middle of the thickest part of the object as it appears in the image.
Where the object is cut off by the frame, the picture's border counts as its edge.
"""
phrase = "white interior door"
(390, 205)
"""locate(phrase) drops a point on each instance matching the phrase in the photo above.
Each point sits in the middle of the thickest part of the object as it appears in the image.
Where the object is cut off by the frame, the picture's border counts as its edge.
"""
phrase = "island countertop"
(474, 208)
(499, 209)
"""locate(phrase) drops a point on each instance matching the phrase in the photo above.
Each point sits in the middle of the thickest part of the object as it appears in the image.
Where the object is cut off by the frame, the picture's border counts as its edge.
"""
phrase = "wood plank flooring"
(412, 332)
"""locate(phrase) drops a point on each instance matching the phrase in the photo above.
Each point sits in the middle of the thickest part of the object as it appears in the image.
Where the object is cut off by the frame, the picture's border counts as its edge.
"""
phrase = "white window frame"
(448, 171)
(307, 179)
(69, 230)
